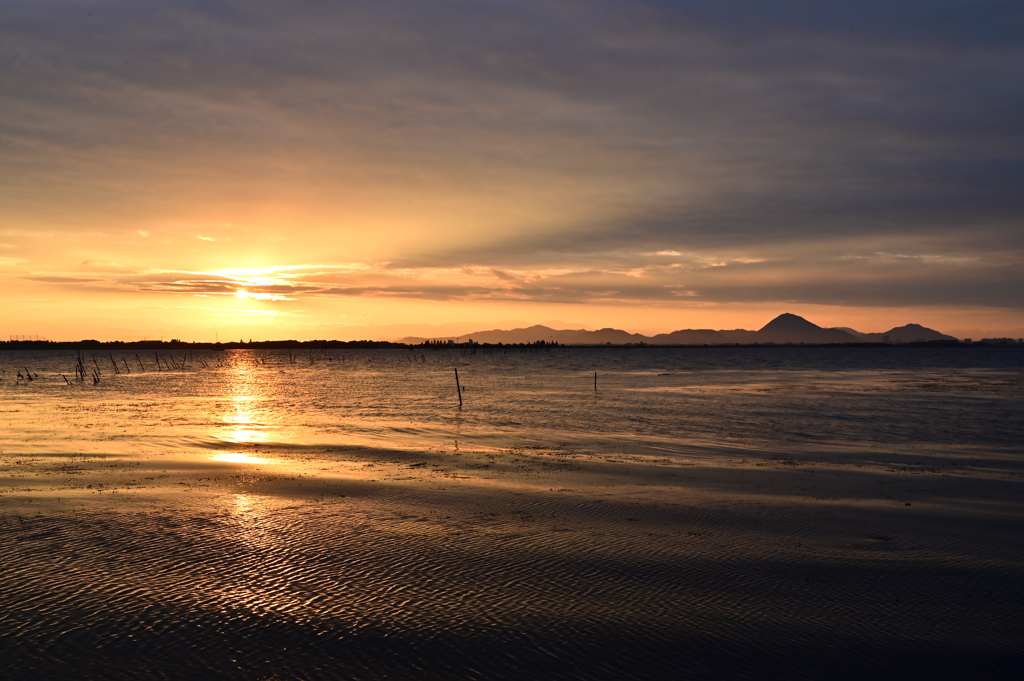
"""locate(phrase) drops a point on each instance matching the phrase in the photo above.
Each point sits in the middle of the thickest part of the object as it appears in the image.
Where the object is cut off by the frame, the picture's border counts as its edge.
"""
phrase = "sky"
(224, 169)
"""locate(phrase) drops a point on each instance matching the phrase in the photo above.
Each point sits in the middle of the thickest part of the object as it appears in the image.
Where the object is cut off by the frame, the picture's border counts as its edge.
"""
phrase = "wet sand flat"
(346, 562)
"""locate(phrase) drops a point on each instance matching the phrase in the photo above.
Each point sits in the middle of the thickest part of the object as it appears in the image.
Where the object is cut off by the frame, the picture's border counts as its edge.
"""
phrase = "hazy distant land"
(786, 329)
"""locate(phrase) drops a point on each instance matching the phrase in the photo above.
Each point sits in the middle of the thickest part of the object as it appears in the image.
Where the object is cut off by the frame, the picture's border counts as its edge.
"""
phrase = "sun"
(246, 295)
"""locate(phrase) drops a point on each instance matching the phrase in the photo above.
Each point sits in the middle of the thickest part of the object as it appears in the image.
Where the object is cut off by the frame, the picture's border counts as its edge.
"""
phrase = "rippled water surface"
(701, 513)
(668, 398)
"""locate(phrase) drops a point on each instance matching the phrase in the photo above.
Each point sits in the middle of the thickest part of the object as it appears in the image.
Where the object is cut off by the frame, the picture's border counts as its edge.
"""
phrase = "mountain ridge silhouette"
(785, 328)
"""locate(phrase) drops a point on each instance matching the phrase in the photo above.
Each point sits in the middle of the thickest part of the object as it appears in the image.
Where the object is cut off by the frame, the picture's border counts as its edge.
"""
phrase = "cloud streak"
(868, 279)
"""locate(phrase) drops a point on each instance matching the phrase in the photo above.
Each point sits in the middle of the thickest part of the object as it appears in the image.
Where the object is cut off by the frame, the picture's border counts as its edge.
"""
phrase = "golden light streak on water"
(248, 426)
(240, 457)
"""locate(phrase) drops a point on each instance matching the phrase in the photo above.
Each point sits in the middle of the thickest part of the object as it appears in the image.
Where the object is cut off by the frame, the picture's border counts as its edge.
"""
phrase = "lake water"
(703, 513)
(671, 400)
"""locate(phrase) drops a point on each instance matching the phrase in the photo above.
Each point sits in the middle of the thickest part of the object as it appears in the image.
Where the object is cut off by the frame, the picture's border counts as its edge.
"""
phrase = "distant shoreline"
(539, 345)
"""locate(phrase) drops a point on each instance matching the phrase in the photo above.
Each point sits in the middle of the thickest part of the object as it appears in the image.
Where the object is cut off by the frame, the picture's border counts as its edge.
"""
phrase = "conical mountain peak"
(791, 328)
(787, 320)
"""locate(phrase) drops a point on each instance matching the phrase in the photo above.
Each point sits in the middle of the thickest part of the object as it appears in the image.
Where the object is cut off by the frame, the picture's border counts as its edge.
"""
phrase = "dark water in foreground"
(777, 513)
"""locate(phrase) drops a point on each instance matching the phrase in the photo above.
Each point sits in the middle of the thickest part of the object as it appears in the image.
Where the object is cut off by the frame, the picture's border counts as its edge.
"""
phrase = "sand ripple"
(505, 586)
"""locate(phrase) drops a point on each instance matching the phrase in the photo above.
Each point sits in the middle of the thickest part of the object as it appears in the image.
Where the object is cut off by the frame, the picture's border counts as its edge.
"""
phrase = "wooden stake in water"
(595, 381)
(457, 386)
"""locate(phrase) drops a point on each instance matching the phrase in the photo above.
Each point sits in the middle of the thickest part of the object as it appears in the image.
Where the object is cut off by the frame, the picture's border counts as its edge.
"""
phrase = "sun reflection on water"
(247, 421)
(240, 457)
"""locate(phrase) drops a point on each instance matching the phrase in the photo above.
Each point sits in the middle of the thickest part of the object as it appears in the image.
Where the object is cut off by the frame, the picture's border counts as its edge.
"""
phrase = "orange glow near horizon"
(238, 312)
(357, 300)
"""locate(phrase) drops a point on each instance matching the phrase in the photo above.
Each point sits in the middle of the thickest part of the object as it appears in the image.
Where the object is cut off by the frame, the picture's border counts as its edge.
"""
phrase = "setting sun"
(242, 293)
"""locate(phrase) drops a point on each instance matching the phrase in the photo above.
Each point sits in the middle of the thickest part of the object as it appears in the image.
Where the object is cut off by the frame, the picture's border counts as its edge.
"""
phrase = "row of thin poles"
(166, 362)
(170, 363)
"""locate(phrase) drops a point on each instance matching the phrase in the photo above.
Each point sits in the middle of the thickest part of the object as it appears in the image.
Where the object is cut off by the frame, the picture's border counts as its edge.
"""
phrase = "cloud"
(65, 280)
(870, 279)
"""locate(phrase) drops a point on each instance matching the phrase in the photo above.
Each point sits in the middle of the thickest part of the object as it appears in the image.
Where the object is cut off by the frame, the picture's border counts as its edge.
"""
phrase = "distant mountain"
(911, 333)
(536, 333)
(786, 328)
(739, 336)
(853, 332)
(690, 337)
(791, 328)
(530, 334)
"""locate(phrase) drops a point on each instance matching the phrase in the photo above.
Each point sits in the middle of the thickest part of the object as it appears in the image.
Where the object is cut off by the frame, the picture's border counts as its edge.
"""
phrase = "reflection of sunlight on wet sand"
(239, 457)
(263, 582)
(249, 507)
